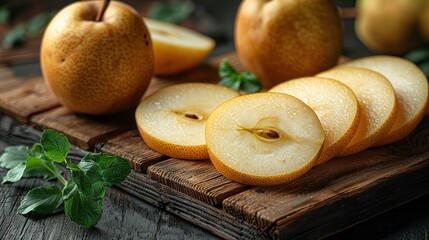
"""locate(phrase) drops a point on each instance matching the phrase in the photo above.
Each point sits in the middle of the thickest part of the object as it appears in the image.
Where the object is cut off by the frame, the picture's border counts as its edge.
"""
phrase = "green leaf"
(69, 190)
(88, 179)
(39, 22)
(250, 84)
(43, 200)
(424, 66)
(244, 81)
(37, 151)
(15, 174)
(55, 144)
(172, 11)
(13, 156)
(226, 69)
(418, 55)
(80, 208)
(14, 36)
(114, 169)
(4, 15)
(39, 167)
(230, 83)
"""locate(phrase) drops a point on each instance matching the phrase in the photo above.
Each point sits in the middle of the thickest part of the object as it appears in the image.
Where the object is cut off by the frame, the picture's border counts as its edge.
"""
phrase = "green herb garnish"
(420, 57)
(82, 194)
(4, 15)
(244, 81)
(172, 11)
(21, 32)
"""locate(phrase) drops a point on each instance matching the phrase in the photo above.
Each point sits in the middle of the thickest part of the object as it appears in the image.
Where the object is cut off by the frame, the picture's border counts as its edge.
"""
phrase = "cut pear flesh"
(411, 88)
(377, 101)
(172, 120)
(177, 48)
(263, 138)
(334, 103)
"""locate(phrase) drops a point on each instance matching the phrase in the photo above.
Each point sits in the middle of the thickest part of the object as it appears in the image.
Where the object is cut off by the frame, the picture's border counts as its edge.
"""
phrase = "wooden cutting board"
(327, 199)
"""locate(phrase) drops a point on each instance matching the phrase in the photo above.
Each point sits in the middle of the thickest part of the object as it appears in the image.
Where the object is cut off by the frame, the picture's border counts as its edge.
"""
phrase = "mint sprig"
(82, 194)
(244, 81)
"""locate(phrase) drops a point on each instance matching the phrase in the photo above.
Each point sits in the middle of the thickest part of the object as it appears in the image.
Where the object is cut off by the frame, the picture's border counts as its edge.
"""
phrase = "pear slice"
(411, 88)
(177, 48)
(334, 103)
(264, 138)
(172, 120)
(377, 101)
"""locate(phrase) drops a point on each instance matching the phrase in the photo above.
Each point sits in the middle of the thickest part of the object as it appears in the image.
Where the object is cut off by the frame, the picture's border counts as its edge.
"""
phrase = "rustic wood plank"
(209, 217)
(341, 192)
(84, 131)
(212, 219)
(131, 146)
(29, 98)
(5, 72)
(124, 217)
(198, 179)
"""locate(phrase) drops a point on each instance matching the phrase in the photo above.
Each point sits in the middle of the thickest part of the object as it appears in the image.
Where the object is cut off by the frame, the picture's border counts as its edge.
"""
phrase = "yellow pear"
(97, 66)
(389, 26)
(283, 39)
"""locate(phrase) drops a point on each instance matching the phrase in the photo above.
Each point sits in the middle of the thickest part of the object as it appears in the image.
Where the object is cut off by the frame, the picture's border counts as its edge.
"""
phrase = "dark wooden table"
(128, 217)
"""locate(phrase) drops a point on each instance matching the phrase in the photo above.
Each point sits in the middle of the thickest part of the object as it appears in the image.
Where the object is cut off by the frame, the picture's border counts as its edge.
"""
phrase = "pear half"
(177, 48)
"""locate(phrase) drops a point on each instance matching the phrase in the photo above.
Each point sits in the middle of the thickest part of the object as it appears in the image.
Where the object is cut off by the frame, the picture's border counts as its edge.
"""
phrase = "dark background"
(409, 221)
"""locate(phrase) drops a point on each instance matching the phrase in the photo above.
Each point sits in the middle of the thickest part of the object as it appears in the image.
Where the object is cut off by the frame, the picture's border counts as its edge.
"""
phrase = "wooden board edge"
(213, 219)
(412, 184)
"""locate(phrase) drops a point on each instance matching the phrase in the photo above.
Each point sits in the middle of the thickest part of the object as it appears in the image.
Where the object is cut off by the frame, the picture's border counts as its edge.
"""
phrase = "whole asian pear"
(279, 40)
(97, 60)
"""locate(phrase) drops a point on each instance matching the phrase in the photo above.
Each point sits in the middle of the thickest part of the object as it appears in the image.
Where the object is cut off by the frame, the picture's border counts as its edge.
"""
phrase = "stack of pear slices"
(274, 137)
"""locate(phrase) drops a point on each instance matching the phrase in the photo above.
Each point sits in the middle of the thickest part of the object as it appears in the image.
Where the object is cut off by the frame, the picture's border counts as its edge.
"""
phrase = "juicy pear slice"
(264, 138)
(172, 120)
(177, 48)
(334, 103)
(377, 101)
(411, 88)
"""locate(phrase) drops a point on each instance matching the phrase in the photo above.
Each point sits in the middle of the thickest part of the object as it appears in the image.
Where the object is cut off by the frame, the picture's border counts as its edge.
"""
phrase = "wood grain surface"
(27, 99)
(82, 130)
(329, 198)
(131, 146)
(198, 179)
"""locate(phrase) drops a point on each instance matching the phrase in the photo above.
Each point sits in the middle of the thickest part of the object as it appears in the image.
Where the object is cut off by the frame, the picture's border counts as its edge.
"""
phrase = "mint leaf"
(69, 190)
(114, 169)
(4, 15)
(88, 179)
(39, 167)
(232, 83)
(226, 69)
(14, 36)
(424, 66)
(13, 156)
(80, 208)
(56, 145)
(172, 11)
(37, 151)
(249, 83)
(418, 55)
(39, 22)
(43, 200)
(244, 81)
(15, 174)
